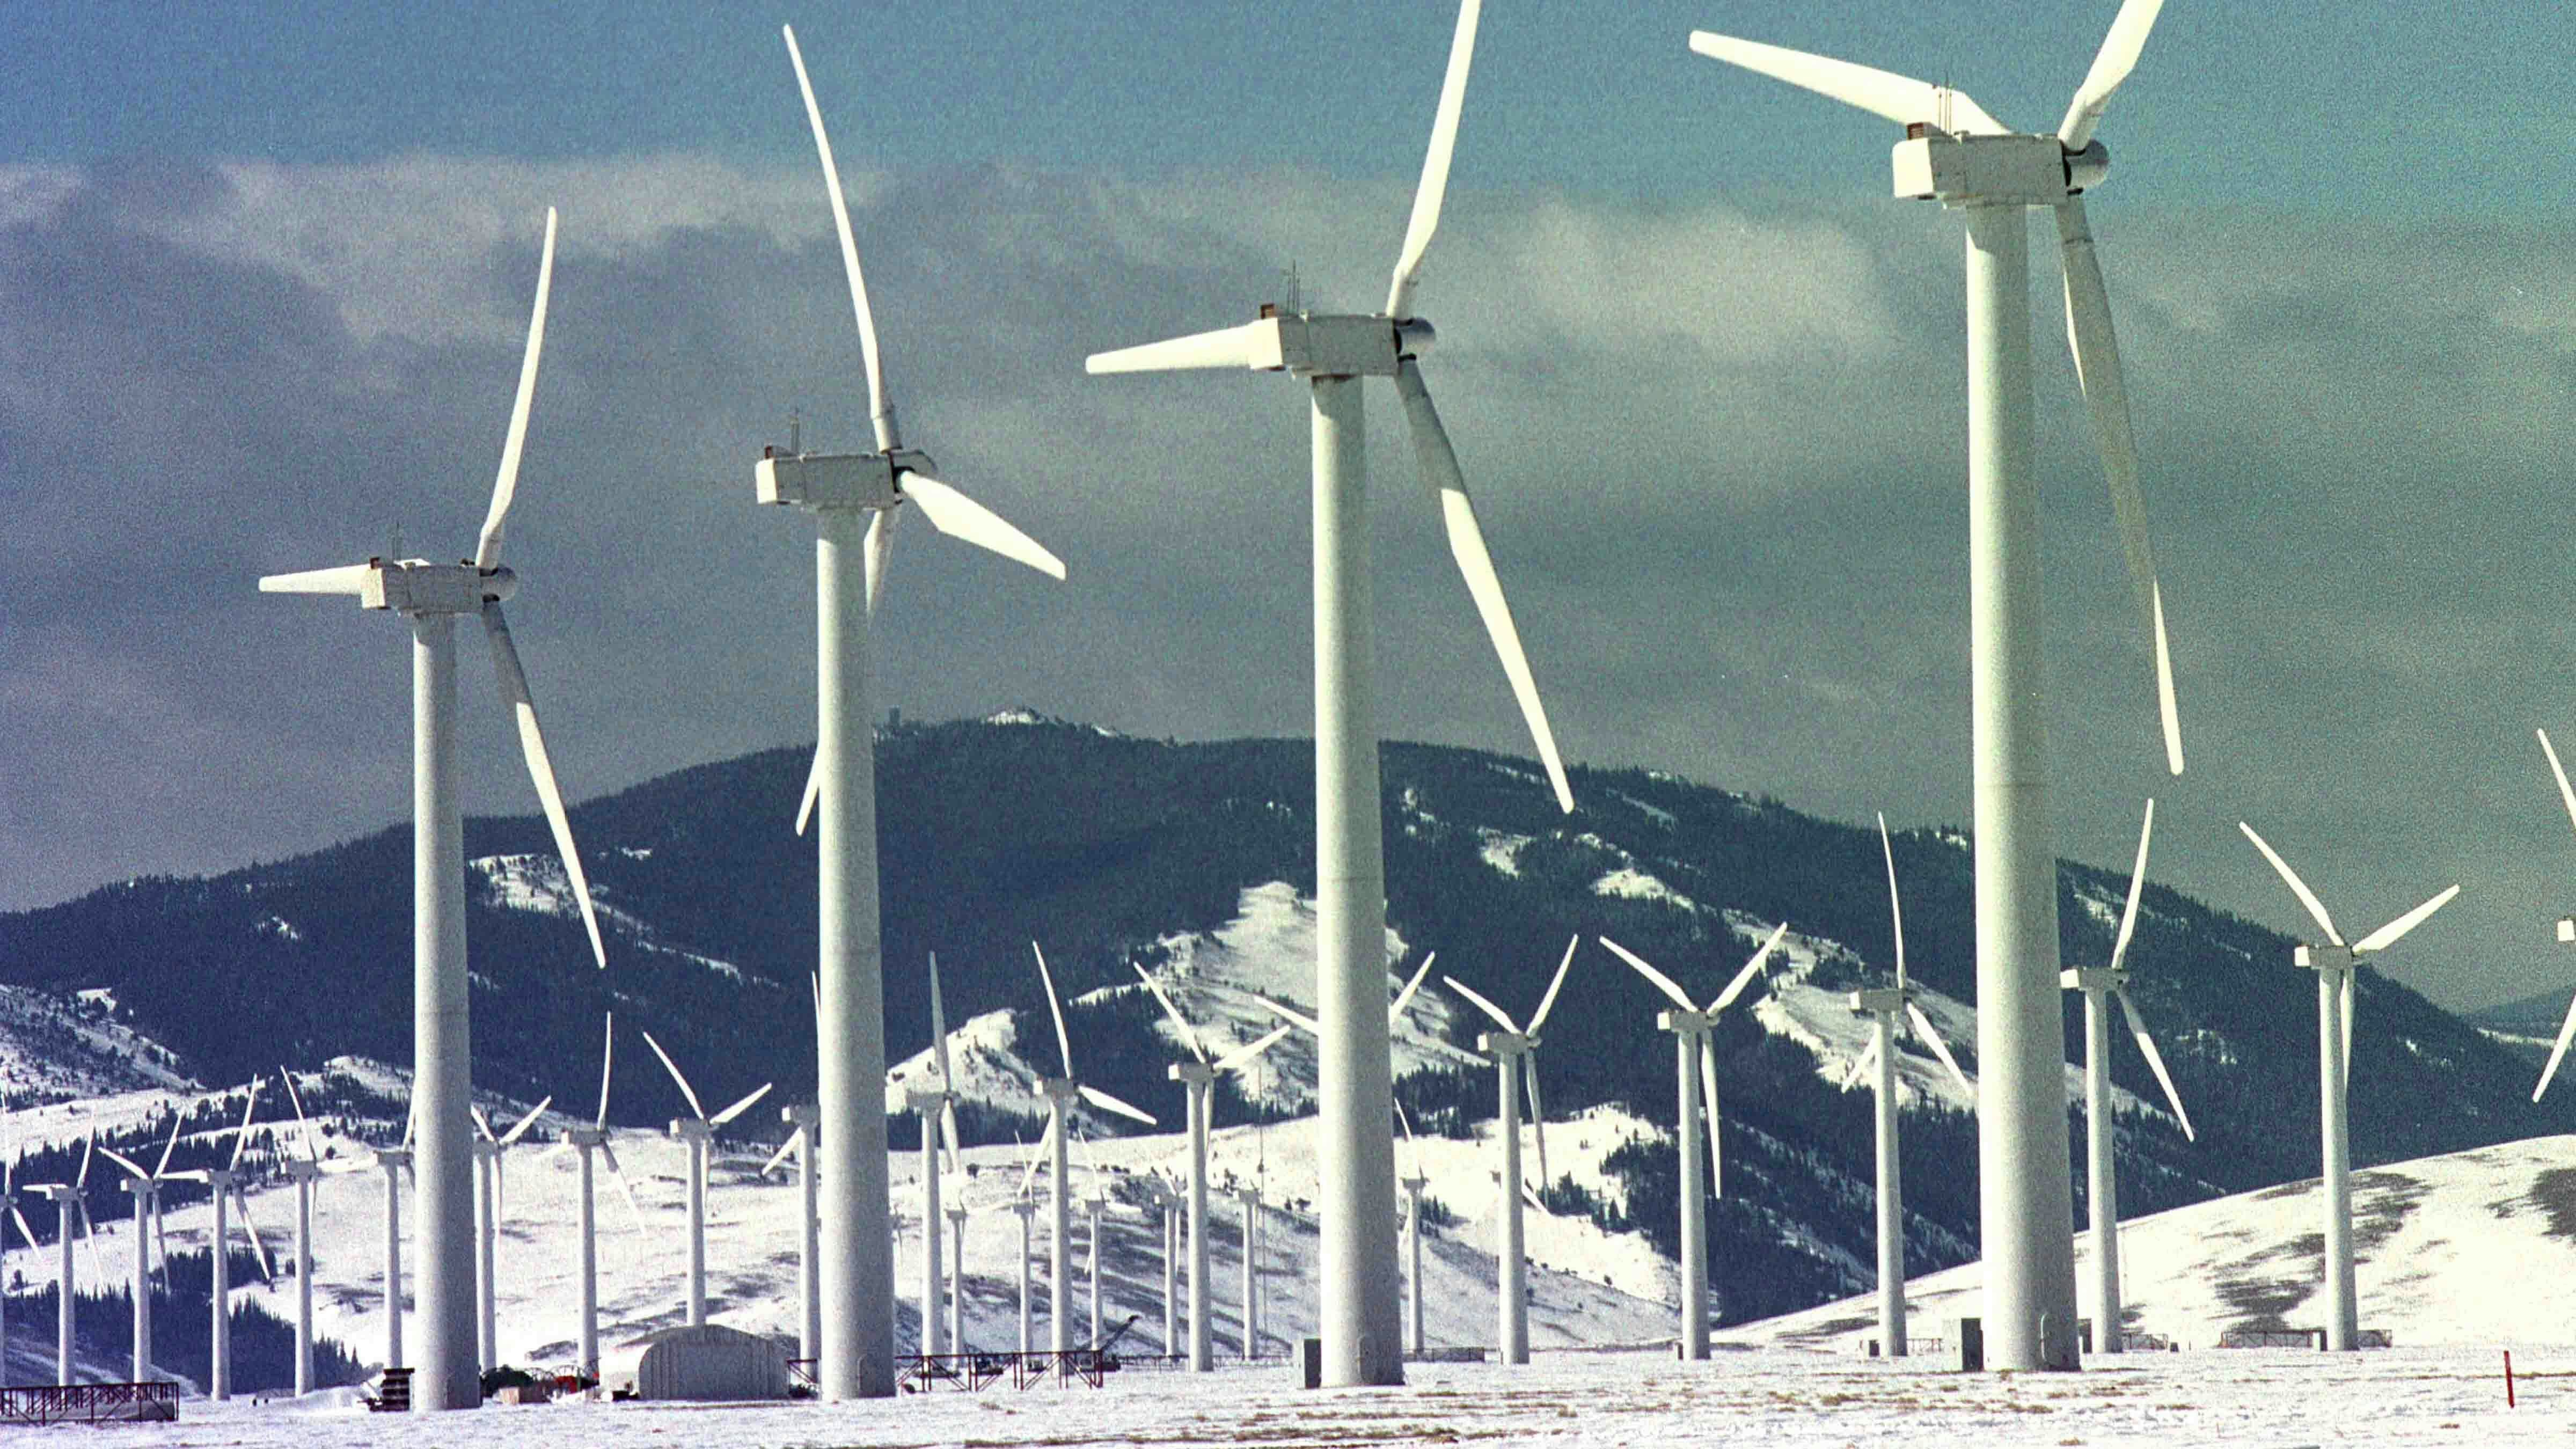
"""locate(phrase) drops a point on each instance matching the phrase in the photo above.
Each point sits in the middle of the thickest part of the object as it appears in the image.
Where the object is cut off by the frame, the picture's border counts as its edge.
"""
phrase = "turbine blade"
(1899, 98)
(1029, 1173)
(849, 245)
(1708, 1104)
(1547, 1003)
(132, 1168)
(878, 558)
(348, 579)
(1744, 978)
(939, 1027)
(2111, 65)
(813, 791)
(1404, 998)
(2096, 347)
(2307, 897)
(673, 1068)
(505, 485)
(780, 1155)
(948, 1131)
(1487, 1007)
(1412, 1149)
(1460, 1055)
(1291, 1015)
(1434, 186)
(2155, 1063)
(89, 1147)
(2137, 887)
(634, 1209)
(482, 1123)
(1242, 1056)
(1439, 464)
(541, 768)
(1108, 1103)
(241, 1134)
(1662, 982)
(24, 1231)
(1189, 1037)
(2565, 792)
(170, 1146)
(303, 1127)
(2386, 936)
(1895, 907)
(1063, 1043)
(520, 1128)
(2557, 1052)
(742, 1106)
(1242, 346)
(250, 1230)
(1932, 1038)
(961, 517)
(1538, 1113)
(607, 1058)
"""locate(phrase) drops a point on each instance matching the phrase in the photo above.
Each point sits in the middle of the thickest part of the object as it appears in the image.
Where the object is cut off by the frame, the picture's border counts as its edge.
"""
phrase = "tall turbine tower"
(2334, 963)
(1957, 154)
(432, 597)
(699, 1131)
(1358, 1312)
(1061, 1095)
(1515, 1053)
(850, 494)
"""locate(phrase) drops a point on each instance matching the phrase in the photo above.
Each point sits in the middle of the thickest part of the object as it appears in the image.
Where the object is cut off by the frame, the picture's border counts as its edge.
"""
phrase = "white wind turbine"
(2566, 926)
(146, 1187)
(1515, 1053)
(2334, 963)
(304, 1172)
(1413, 1182)
(2101, 1184)
(583, 1141)
(69, 1204)
(1197, 1077)
(432, 597)
(490, 1201)
(802, 1119)
(937, 1108)
(1958, 154)
(10, 1211)
(394, 1162)
(1889, 1009)
(224, 1188)
(1357, 1314)
(1697, 1085)
(698, 1130)
(849, 493)
(1061, 1093)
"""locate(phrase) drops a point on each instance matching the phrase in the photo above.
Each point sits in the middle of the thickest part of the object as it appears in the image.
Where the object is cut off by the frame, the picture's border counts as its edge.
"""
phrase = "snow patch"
(1636, 885)
(1502, 852)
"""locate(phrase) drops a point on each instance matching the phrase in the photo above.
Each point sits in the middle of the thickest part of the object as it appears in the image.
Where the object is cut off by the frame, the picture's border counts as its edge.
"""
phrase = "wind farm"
(1191, 926)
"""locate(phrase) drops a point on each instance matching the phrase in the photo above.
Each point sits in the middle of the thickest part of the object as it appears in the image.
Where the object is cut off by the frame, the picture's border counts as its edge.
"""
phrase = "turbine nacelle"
(1881, 1001)
(1505, 1043)
(837, 480)
(1961, 171)
(2567, 929)
(2320, 958)
(2092, 978)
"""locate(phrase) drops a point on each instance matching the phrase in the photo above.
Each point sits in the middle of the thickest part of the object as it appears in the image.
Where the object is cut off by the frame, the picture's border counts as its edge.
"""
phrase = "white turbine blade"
(241, 1134)
(1242, 1056)
(541, 768)
(948, 1131)
(250, 1230)
(349, 579)
(1029, 1172)
(1189, 1037)
(2096, 347)
(1434, 186)
(1225, 347)
(1460, 1055)
(303, 1127)
(2155, 1063)
(2386, 936)
(961, 517)
(1662, 982)
(2111, 65)
(505, 485)
(1708, 1103)
(2137, 887)
(879, 556)
(780, 1155)
(2344, 1000)
(634, 1209)
(1895, 907)
(1932, 1038)
(2307, 897)
(607, 1058)
(1412, 1149)
(1487, 1007)
(132, 1168)
(1538, 1112)
(1404, 998)
(939, 1026)
(742, 1106)
(188, 1174)
(1439, 464)
(170, 1146)
(2557, 1052)
(1899, 98)
(1063, 1043)
(1291, 1015)
(520, 1128)
(482, 1124)
(669, 1066)
(411, 1119)
(1547, 1003)
(813, 791)
(1108, 1103)
(1744, 978)
(89, 1148)
(849, 241)
(89, 1238)
(24, 1231)
(2566, 792)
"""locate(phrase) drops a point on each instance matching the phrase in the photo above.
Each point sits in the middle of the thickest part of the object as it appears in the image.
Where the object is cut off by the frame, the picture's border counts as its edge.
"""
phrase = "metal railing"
(974, 1372)
(89, 1403)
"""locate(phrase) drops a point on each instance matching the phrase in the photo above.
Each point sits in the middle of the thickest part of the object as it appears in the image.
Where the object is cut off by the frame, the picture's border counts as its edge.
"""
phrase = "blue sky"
(267, 278)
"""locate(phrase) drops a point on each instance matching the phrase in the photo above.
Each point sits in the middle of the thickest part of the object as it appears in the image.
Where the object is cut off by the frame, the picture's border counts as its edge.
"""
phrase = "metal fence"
(89, 1403)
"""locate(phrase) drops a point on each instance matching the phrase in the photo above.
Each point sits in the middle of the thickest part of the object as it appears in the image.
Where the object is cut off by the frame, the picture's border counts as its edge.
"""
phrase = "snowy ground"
(1773, 1397)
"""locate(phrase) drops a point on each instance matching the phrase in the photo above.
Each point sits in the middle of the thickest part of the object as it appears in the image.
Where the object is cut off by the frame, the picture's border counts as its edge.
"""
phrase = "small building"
(707, 1363)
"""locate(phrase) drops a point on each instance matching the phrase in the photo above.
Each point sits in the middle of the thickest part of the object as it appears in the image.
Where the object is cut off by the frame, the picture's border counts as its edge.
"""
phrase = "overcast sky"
(264, 280)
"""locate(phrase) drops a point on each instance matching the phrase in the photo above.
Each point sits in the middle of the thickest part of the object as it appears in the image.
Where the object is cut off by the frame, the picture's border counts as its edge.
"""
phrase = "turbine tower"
(1061, 1093)
(849, 494)
(699, 1131)
(1956, 153)
(583, 1141)
(800, 1118)
(432, 597)
(489, 1200)
(1358, 1312)
(1696, 1084)
(224, 1187)
(2334, 963)
(2101, 1183)
(68, 1204)
(1515, 1053)
(304, 1172)
(146, 1187)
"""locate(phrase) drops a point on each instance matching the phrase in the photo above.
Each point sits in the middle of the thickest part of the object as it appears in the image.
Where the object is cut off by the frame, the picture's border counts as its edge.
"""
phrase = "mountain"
(1195, 861)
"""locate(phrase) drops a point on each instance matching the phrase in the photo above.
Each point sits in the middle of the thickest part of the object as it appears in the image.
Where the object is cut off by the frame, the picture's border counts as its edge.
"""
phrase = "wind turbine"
(304, 1172)
(1889, 1008)
(937, 1108)
(489, 1151)
(224, 1186)
(1413, 1183)
(2101, 1183)
(2566, 926)
(146, 1187)
(9, 1209)
(583, 1141)
(1514, 1050)
(849, 492)
(433, 596)
(1956, 153)
(68, 1204)
(1355, 1078)
(802, 1119)
(2334, 964)
(1061, 1093)
(1697, 1086)
(393, 1162)
(698, 1130)
(1197, 1077)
